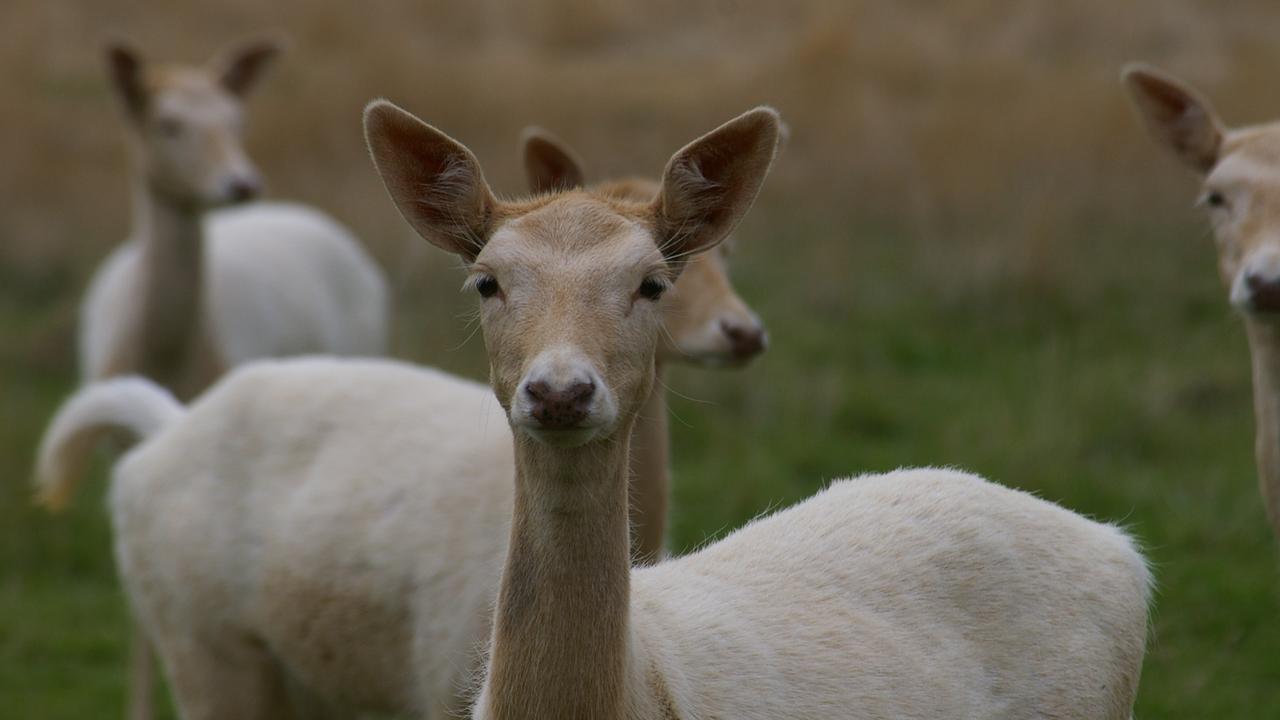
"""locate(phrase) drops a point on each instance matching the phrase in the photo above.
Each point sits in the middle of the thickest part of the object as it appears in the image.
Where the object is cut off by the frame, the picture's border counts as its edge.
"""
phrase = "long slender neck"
(561, 626)
(168, 325)
(1264, 347)
(650, 479)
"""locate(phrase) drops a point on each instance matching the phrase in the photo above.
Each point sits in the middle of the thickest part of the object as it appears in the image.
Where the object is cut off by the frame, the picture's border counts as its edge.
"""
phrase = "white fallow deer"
(197, 289)
(705, 323)
(379, 498)
(916, 594)
(1240, 191)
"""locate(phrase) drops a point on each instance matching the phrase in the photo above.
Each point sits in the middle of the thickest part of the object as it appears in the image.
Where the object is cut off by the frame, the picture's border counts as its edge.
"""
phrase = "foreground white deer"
(1240, 174)
(320, 448)
(918, 594)
(194, 292)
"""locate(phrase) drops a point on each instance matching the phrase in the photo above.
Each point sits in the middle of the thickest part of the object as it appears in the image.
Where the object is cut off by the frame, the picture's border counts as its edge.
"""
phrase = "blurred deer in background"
(197, 289)
(705, 323)
(1240, 191)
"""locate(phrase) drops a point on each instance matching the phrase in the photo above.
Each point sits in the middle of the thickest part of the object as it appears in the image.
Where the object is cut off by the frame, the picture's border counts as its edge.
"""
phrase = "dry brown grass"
(988, 129)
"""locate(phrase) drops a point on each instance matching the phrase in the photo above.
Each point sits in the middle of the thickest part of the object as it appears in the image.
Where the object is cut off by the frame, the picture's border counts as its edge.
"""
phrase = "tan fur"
(1240, 173)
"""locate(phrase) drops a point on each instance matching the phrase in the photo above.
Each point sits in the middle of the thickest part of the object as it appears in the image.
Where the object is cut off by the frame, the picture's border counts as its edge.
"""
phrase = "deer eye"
(1215, 199)
(652, 288)
(169, 127)
(487, 286)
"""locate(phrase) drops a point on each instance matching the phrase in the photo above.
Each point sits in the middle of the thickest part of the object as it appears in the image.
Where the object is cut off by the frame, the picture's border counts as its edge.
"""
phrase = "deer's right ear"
(710, 184)
(125, 69)
(434, 180)
(549, 164)
(1176, 116)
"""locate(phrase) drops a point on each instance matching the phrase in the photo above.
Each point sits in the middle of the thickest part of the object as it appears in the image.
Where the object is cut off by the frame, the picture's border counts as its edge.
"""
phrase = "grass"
(968, 256)
(1129, 403)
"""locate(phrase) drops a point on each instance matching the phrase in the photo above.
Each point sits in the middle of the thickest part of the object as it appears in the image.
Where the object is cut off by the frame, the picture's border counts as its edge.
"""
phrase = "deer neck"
(168, 326)
(1264, 349)
(561, 627)
(650, 480)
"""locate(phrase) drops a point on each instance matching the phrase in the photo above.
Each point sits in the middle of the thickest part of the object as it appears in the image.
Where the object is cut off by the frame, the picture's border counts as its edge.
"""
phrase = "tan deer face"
(188, 123)
(570, 282)
(1241, 183)
(705, 321)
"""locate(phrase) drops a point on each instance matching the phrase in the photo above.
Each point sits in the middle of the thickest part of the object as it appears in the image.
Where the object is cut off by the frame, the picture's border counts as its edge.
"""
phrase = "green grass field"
(1120, 390)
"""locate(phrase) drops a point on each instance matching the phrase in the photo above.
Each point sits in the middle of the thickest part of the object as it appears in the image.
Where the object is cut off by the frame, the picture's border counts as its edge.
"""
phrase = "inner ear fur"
(1178, 117)
(124, 66)
(711, 183)
(549, 164)
(434, 180)
(241, 67)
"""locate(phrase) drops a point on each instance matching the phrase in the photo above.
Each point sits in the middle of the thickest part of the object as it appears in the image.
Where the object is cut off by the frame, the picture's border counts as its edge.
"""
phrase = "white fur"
(914, 594)
(347, 515)
(281, 279)
(347, 520)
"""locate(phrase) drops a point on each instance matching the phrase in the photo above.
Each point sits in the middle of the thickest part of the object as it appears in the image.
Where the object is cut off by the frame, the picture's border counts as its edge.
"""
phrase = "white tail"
(133, 404)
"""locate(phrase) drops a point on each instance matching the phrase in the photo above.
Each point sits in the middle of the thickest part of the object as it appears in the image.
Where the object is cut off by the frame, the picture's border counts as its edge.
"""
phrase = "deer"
(294, 537)
(1238, 172)
(452, 490)
(913, 594)
(706, 324)
(209, 279)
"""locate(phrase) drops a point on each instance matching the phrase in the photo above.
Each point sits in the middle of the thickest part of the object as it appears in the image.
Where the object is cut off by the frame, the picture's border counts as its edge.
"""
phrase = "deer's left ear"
(1176, 116)
(241, 67)
(710, 184)
(126, 69)
(549, 164)
(434, 180)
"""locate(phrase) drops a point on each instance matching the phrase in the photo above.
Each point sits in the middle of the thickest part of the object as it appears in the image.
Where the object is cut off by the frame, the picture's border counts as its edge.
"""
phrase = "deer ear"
(434, 180)
(549, 164)
(125, 68)
(1176, 116)
(240, 68)
(710, 184)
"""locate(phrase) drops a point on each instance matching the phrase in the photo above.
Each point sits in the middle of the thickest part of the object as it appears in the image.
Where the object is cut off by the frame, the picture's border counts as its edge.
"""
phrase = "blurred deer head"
(187, 122)
(1240, 182)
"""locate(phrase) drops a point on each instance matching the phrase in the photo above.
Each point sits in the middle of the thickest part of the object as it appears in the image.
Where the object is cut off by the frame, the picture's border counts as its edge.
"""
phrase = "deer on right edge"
(1240, 177)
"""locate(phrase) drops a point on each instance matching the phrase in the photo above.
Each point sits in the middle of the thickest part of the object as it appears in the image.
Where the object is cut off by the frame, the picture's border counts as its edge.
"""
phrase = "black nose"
(560, 409)
(1264, 293)
(746, 341)
(243, 190)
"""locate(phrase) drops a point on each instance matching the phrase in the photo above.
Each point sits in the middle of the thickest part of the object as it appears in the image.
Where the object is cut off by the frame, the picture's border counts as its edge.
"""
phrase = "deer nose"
(746, 341)
(243, 189)
(560, 409)
(1264, 292)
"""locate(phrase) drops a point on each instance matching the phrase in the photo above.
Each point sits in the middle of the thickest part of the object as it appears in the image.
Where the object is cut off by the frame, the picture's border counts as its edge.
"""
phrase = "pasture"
(969, 255)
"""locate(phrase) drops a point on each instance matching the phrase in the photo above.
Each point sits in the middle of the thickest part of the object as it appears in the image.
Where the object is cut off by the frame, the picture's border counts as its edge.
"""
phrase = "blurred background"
(969, 255)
